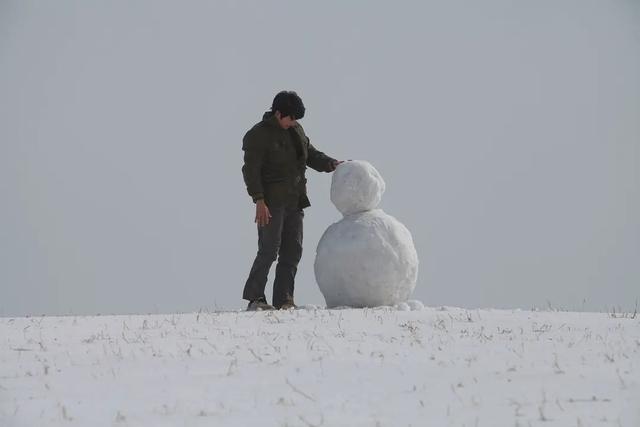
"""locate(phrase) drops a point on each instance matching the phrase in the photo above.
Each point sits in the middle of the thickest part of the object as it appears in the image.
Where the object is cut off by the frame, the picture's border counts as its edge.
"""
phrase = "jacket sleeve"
(254, 152)
(318, 160)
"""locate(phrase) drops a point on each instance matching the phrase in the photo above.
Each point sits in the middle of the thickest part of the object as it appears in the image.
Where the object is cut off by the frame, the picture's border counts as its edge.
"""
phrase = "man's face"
(285, 122)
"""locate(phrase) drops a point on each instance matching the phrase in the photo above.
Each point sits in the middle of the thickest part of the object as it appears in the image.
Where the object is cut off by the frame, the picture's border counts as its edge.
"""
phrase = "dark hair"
(289, 104)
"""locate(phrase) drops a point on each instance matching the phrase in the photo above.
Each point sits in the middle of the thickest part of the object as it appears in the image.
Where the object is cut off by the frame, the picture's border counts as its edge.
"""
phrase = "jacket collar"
(270, 118)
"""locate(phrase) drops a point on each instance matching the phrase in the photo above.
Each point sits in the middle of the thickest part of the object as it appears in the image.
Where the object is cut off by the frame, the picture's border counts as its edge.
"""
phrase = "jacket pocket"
(274, 180)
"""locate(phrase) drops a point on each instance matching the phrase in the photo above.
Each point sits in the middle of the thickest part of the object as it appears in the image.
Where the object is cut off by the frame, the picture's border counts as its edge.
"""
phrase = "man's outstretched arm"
(319, 161)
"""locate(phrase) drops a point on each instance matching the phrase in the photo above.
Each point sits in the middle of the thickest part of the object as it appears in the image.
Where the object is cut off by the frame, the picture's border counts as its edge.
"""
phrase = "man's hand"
(262, 213)
(333, 165)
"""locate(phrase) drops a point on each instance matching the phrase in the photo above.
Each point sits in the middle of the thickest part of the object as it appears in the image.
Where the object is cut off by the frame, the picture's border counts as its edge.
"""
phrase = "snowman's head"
(356, 186)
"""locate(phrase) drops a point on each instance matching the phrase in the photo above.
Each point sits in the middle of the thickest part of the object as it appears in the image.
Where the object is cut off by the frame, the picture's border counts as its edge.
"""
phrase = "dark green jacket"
(275, 161)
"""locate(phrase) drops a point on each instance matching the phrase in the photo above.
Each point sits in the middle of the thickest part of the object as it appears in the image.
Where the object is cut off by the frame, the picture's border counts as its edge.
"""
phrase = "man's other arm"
(254, 152)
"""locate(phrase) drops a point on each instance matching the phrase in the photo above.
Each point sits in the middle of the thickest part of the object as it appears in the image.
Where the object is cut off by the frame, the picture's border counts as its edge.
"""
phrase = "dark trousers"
(281, 239)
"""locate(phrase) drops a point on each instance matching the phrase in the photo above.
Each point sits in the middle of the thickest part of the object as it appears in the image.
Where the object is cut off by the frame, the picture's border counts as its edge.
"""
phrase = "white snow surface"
(356, 186)
(367, 259)
(318, 367)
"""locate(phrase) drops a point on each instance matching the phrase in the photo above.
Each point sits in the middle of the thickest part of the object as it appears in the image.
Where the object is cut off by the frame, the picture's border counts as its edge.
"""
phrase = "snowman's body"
(367, 259)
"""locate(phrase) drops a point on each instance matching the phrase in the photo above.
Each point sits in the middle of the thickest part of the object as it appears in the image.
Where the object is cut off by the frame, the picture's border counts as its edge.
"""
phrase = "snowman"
(366, 259)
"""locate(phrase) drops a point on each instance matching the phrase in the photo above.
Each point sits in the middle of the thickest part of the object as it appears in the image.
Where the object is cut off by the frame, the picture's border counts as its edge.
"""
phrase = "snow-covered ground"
(317, 367)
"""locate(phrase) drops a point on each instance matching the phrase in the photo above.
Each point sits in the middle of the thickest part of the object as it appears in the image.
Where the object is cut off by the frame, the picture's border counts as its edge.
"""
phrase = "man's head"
(287, 107)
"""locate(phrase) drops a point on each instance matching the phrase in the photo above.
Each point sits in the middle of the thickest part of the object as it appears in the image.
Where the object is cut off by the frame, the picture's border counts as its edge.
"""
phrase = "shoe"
(287, 305)
(259, 305)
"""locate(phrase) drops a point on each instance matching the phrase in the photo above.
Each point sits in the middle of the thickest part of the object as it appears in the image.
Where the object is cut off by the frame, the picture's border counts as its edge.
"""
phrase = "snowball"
(356, 186)
(415, 305)
(402, 306)
(365, 260)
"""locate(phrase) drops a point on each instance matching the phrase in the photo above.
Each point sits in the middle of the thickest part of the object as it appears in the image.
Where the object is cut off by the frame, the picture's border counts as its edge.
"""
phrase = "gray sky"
(508, 134)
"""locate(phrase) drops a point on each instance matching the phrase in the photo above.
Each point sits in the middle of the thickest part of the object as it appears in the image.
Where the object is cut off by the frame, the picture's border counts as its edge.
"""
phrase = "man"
(276, 155)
